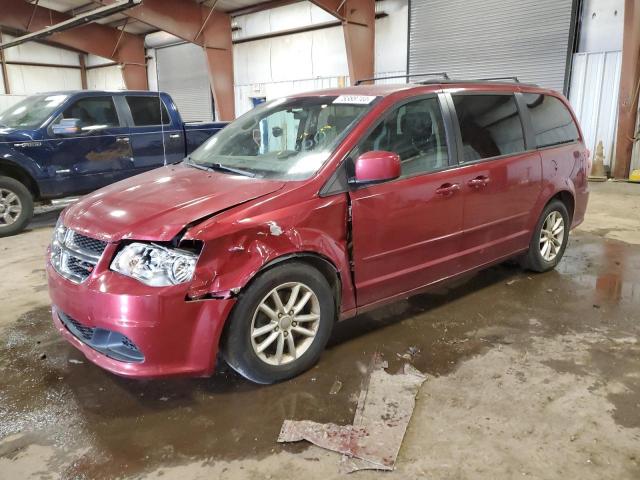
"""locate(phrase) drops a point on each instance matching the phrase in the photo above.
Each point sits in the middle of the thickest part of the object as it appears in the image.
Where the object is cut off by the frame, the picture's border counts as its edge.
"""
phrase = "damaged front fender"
(238, 246)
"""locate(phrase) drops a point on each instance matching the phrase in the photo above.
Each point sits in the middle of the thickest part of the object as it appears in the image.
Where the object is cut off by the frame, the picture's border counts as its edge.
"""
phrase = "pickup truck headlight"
(155, 265)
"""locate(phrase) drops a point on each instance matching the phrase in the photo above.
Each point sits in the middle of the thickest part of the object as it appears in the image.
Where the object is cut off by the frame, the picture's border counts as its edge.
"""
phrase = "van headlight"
(155, 265)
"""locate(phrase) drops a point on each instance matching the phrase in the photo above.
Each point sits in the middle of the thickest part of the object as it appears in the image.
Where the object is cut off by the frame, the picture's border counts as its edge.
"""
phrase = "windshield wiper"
(223, 168)
(218, 167)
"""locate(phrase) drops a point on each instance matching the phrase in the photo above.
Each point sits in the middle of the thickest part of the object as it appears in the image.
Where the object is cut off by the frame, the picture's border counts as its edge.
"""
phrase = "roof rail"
(430, 74)
(476, 80)
(492, 79)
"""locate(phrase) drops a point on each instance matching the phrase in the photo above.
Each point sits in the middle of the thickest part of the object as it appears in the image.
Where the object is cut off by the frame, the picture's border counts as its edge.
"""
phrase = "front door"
(156, 139)
(406, 233)
(502, 179)
(98, 155)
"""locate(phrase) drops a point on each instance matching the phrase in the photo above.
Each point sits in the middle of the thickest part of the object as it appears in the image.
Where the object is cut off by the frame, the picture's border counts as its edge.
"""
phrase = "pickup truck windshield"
(287, 139)
(31, 112)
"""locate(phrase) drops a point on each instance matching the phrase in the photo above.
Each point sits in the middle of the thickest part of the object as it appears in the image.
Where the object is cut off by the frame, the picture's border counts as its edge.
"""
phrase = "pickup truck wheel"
(16, 206)
(280, 325)
(549, 239)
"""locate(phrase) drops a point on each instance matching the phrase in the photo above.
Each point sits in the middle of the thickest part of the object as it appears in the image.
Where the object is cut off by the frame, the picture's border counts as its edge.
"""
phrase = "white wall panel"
(297, 15)
(7, 101)
(39, 53)
(2, 83)
(94, 60)
(391, 38)
(602, 25)
(272, 90)
(105, 78)
(319, 53)
(26, 80)
(593, 95)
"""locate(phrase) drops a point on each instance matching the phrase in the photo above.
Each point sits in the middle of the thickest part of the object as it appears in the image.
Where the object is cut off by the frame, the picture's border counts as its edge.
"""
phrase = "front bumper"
(174, 336)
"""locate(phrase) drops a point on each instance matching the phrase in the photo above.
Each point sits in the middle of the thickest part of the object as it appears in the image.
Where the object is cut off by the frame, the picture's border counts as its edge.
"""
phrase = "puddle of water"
(131, 426)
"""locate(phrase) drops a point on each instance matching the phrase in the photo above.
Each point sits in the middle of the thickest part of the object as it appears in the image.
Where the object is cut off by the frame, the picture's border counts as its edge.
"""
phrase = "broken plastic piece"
(384, 409)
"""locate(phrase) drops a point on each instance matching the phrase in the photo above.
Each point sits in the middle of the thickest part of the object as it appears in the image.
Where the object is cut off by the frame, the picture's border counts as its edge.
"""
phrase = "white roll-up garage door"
(492, 38)
(183, 74)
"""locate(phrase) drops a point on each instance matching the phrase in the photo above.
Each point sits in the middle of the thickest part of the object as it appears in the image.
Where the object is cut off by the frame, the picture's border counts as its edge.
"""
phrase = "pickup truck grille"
(74, 256)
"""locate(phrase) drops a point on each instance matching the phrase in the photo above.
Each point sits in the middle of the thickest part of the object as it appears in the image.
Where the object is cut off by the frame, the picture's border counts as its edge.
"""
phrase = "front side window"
(31, 112)
(94, 113)
(148, 111)
(552, 122)
(288, 139)
(415, 131)
(490, 126)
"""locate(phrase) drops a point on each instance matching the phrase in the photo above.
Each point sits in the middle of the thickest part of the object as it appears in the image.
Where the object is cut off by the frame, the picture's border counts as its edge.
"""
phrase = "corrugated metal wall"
(183, 74)
(595, 82)
(491, 38)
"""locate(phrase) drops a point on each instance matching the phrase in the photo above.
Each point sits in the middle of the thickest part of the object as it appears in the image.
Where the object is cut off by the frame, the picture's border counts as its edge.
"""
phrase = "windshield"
(31, 112)
(287, 139)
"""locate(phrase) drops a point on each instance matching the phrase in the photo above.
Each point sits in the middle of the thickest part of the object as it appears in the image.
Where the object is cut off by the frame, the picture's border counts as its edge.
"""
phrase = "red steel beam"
(92, 38)
(358, 19)
(197, 24)
(629, 86)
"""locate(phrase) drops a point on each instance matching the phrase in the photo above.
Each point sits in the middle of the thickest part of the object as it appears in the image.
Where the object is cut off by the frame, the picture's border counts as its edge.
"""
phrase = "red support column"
(219, 52)
(358, 23)
(629, 85)
(200, 25)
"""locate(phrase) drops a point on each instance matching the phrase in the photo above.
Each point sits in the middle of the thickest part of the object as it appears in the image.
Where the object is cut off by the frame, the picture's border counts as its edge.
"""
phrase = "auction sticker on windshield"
(355, 99)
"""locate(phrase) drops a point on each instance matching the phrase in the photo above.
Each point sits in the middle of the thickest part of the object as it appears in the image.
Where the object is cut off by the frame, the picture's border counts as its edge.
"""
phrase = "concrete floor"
(529, 375)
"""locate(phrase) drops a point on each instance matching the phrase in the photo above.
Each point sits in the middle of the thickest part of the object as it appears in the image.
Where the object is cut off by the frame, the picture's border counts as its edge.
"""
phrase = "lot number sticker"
(355, 99)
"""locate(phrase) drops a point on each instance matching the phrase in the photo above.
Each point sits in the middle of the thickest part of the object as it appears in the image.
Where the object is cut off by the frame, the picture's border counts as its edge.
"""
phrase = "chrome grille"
(74, 256)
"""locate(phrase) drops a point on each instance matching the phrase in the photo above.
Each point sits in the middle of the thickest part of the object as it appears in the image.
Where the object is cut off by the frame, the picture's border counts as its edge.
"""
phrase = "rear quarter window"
(148, 111)
(551, 120)
(490, 125)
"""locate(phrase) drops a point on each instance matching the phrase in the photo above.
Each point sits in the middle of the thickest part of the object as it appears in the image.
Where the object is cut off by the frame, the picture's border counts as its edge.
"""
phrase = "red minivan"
(308, 210)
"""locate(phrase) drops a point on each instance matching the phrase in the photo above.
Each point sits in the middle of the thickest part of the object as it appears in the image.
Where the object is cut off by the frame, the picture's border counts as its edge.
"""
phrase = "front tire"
(16, 206)
(549, 239)
(280, 325)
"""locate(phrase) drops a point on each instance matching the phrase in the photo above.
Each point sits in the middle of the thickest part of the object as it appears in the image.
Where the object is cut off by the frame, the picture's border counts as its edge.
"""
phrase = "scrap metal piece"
(384, 409)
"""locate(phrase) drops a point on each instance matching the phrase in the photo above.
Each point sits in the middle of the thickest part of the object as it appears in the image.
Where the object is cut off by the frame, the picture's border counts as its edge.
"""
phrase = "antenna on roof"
(430, 74)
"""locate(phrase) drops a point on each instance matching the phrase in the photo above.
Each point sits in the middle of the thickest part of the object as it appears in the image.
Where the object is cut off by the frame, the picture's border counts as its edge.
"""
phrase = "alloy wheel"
(10, 207)
(285, 323)
(551, 236)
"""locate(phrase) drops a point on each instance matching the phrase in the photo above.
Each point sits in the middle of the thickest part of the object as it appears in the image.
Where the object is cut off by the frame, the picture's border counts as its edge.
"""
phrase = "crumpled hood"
(158, 204)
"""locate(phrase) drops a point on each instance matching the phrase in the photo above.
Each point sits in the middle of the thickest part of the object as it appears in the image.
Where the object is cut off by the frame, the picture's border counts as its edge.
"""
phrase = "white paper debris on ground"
(384, 409)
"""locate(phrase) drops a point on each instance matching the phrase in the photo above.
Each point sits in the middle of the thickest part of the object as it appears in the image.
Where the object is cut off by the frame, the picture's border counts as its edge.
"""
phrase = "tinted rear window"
(146, 111)
(489, 124)
(552, 122)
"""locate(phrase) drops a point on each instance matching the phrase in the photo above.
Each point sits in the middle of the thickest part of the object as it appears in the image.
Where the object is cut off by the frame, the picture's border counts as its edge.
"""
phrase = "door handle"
(447, 189)
(122, 139)
(478, 182)
(174, 136)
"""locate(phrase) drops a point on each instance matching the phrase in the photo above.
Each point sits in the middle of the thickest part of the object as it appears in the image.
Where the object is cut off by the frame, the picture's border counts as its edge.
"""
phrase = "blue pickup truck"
(62, 144)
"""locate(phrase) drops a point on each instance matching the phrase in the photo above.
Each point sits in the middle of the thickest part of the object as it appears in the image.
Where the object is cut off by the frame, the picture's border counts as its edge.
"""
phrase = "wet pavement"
(102, 426)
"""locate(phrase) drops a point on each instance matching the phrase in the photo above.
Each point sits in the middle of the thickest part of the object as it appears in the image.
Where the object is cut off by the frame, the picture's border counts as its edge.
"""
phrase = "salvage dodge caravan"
(308, 210)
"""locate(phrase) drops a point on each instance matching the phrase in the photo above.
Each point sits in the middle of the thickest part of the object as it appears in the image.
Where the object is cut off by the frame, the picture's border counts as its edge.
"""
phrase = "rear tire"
(269, 340)
(549, 238)
(16, 206)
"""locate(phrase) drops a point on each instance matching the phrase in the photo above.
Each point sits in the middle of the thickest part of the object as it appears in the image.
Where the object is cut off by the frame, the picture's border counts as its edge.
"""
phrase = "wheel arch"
(11, 170)
(568, 199)
(314, 260)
